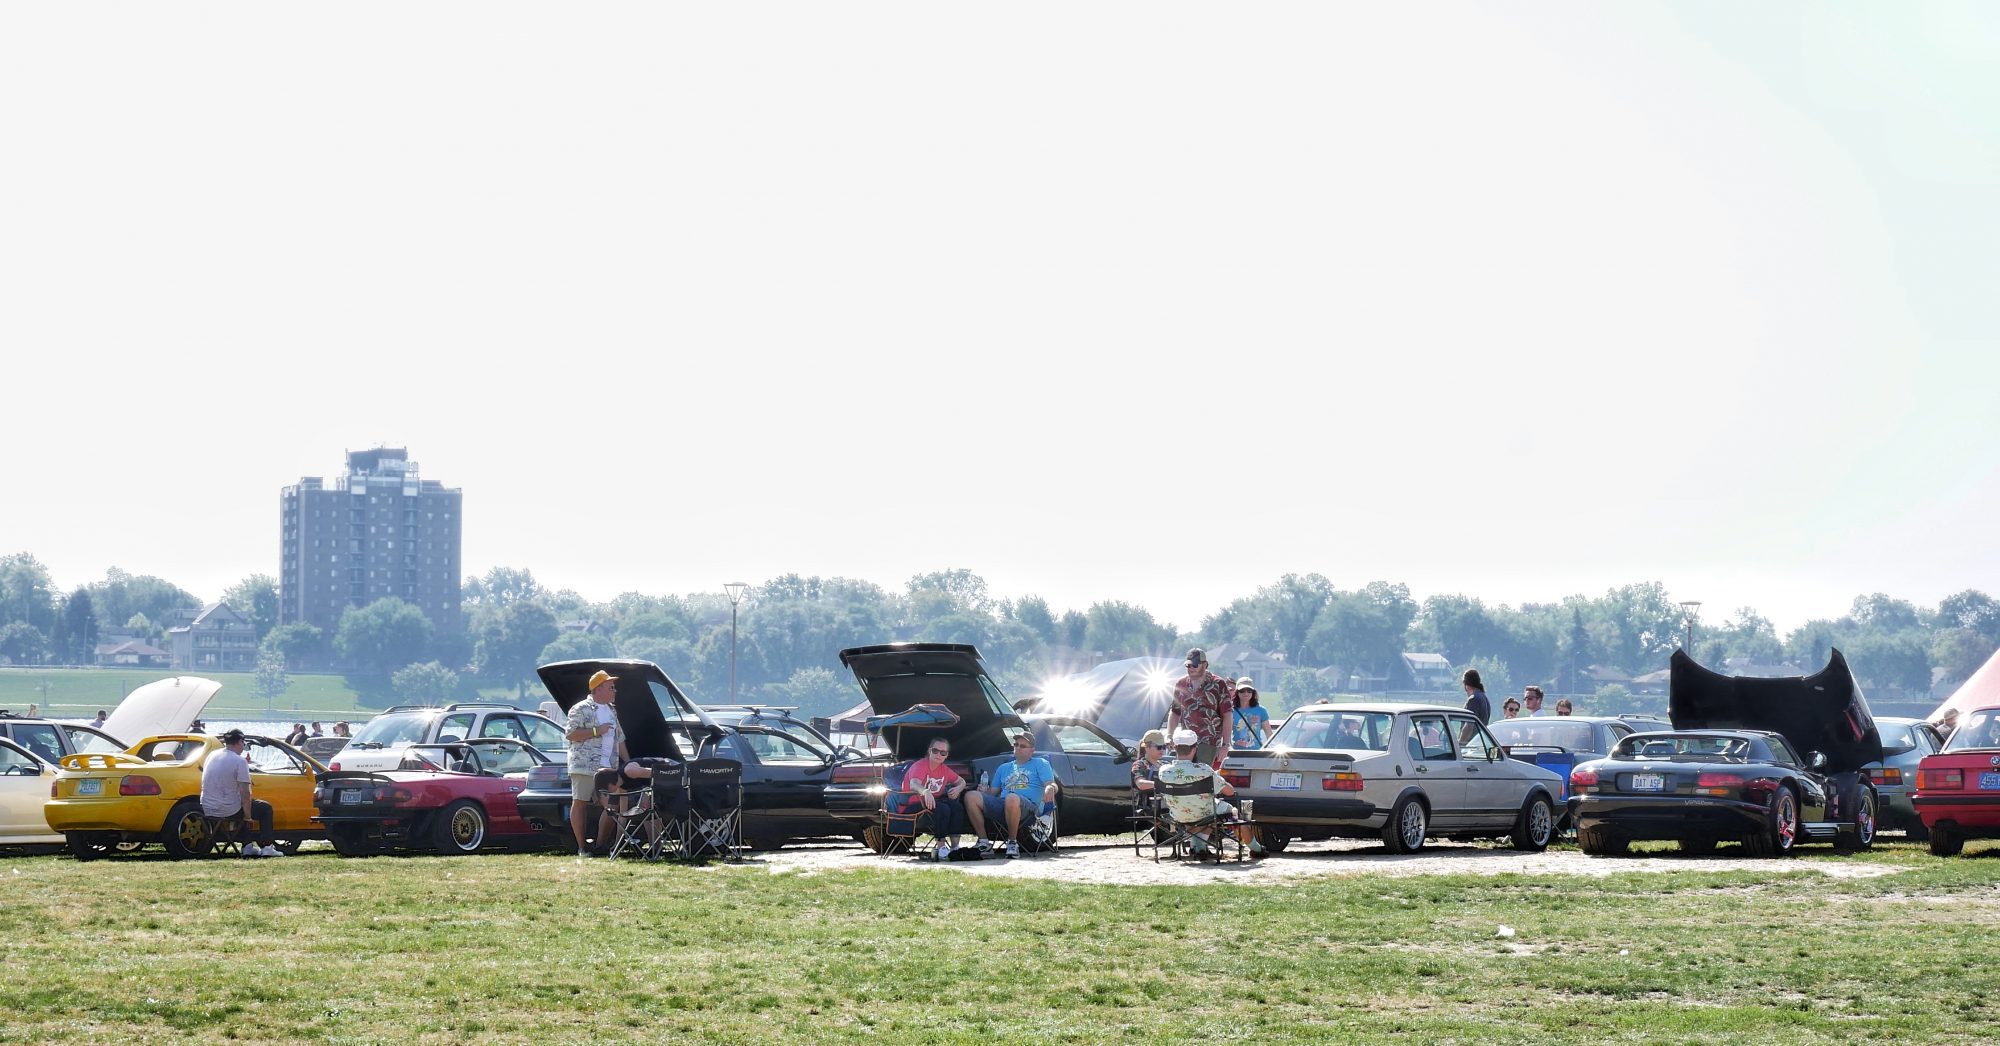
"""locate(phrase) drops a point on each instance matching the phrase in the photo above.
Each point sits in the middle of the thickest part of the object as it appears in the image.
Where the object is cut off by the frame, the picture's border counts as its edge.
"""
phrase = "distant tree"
(502, 586)
(507, 643)
(1974, 610)
(816, 691)
(429, 683)
(1362, 629)
(1809, 643)
(377, 639)
(145, 629)
(1959, 652)
(1070, 629)
(297, 644)
(121, 595)
(1033, 613)
(676, 657)
(1747, 634)
(1575, 652)
(270, 682)
(27, 594)
(1900, 659)
(22, 643)
(1493, 674)
(79, 646)
(1612, 699)
(1118, 629)
(255, 597)
(962, 589)
(1881, 613)
(577, 646)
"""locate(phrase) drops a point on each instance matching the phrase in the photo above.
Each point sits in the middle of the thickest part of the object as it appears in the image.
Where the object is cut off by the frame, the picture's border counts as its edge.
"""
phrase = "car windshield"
(1897, 735)
(1981, 729)
(391, 731)
(1545, 733)
(1367, 731)
(1691, 748)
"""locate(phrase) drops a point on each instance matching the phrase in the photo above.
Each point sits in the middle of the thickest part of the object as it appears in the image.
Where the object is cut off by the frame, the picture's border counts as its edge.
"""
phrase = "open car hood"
(1822, 712)
(166, 706)
(895, 676)
(647, 702)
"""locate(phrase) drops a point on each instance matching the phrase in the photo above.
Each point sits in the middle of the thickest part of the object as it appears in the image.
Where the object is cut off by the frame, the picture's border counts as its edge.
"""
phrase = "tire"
(1946, 843)
(1535, 826)
(1407, 826)
(1862, 837)
(1916, 832)
(876, 838)
(88, 846)
(351, 840)
(765, 842)
(459, 828)
(1697, 846)
(1601, 842)
(1275, 839)
(186, 831)
(1781, 832)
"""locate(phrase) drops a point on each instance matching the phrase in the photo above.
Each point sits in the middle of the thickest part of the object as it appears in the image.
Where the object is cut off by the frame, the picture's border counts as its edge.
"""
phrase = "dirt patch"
(1106, 860)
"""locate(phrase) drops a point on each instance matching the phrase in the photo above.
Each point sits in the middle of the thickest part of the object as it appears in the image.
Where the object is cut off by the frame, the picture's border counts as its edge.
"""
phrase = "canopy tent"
(849, 726)
(1980, 690)
(1124, 698)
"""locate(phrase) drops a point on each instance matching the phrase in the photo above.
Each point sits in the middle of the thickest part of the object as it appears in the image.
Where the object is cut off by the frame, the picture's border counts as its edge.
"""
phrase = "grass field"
(538, 948)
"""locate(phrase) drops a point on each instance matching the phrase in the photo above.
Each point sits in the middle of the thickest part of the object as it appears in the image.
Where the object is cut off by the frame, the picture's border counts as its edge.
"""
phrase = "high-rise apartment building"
(378, 531)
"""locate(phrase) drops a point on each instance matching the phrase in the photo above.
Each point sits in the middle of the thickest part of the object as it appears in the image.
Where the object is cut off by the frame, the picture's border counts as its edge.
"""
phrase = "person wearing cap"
(1203, 702)
(1015, 795)
(1151, 756)
(594, 744)
(225, 792)
(1250, 725)
(1187, 767)
(1531, 701)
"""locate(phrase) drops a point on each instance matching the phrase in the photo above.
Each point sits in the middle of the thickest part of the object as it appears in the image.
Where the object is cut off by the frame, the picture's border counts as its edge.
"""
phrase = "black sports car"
(1770, 762)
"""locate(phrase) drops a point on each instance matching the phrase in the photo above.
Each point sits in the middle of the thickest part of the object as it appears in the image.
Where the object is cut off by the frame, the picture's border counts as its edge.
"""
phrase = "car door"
(547, 737)
(40, 738)
(503, 771)
(1095, 771)
(454, 728)
(1495, 786)
(23, 789)
(1433, 755)
(793, 773)
(281, 778)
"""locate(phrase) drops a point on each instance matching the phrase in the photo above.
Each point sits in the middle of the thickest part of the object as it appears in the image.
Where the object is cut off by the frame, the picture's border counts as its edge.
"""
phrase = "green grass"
(520, 948)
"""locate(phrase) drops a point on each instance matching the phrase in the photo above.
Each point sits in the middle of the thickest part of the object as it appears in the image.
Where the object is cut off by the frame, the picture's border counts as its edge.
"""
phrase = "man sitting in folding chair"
(1021, 792)
(931, 788)
(627, 795)
(1194, 801)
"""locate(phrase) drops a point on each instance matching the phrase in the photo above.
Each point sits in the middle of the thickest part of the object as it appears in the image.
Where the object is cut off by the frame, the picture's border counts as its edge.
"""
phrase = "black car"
(1093, 776)
(1770, 762)
(786, 763)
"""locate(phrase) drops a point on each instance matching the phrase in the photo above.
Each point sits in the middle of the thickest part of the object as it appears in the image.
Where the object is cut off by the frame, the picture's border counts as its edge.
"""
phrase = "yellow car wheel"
(186, 831)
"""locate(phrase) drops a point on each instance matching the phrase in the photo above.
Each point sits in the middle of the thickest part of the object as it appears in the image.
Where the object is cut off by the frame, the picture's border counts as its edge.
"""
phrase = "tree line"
(790, 629)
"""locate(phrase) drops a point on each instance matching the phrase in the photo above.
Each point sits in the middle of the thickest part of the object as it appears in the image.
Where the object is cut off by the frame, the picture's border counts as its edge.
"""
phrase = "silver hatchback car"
(1405, 772)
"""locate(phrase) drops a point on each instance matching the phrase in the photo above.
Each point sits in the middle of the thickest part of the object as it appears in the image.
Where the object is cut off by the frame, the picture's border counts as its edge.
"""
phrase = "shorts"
(1204, 752)
(995, 808)
(583, 787)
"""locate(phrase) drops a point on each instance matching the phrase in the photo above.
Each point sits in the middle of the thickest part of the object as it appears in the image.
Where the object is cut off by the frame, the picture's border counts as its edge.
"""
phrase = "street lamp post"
(735, 589)
(1688, 610)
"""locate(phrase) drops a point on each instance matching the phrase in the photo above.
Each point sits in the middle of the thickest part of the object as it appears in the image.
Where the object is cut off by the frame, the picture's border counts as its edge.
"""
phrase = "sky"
(1149, 302)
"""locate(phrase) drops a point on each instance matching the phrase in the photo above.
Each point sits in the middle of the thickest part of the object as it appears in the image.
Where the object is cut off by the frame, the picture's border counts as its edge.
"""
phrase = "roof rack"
(453, 707)
(752, 709)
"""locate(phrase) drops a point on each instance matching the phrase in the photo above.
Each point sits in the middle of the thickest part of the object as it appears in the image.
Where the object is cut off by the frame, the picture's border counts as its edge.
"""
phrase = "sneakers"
(1013, 848)
(250, 850)
(943, 852)
(985, 847)
(270, 851)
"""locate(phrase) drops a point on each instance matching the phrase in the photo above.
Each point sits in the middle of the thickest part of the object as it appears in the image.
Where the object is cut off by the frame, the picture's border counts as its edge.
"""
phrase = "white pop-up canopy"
(1980, 690)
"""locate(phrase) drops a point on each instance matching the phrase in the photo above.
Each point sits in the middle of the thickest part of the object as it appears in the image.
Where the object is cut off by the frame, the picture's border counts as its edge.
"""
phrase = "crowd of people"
(1527, 706)
(300, 734)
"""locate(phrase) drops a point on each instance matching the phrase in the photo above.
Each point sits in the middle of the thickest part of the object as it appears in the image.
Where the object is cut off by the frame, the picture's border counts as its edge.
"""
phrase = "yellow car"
(151, 793)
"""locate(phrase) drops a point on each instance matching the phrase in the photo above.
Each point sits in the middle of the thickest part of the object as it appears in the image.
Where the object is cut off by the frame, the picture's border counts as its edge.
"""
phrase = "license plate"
(1286, 782)
(1649, 782)
(90, 786)
(350, 796)
(1989, 782)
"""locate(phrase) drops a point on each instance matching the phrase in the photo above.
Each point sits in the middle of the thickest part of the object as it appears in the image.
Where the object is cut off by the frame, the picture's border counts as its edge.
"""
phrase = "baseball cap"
(1245, 684)
(1184, 738)
(599, 678)
(231, 736)
(1197, 656)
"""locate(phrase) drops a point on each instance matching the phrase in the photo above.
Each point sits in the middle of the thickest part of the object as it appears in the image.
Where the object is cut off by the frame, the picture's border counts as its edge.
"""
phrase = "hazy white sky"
(1146, 301)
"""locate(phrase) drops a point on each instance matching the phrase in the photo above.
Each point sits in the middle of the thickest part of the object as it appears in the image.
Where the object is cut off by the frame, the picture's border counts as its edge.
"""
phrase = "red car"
(1958, 789)
(454, 798)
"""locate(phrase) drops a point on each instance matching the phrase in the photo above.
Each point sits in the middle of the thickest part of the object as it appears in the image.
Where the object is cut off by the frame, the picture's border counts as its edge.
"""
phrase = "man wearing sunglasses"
(936, 787)
(1015, 796)
(1203, 702)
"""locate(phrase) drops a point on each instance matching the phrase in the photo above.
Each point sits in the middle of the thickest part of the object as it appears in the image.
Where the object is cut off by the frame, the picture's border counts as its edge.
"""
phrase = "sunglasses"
(939, 751)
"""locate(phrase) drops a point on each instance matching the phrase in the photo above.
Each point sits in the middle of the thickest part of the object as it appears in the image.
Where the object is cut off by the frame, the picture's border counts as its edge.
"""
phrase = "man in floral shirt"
(594, 743)
(1202, 703)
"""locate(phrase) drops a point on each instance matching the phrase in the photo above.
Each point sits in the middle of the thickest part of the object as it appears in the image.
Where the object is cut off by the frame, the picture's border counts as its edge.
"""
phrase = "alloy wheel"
(1412, 826)
(1787, 821)
(1541, 824)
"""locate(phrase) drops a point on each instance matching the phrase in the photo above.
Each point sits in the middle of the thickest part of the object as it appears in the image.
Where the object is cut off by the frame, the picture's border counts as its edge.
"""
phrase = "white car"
(1405, 772)
(24, 787)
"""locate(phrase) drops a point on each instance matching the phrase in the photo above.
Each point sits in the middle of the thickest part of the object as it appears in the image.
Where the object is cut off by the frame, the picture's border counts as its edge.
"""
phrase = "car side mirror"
(1123, 758)
(1816, 761)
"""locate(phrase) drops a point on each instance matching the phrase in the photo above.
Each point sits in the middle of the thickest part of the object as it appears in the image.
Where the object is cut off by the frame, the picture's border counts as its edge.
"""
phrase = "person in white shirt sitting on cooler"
(225, 792)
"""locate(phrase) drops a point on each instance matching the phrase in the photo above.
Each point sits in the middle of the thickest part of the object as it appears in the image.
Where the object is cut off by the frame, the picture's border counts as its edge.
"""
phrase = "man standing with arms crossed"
(1203, 702)
(593, 745)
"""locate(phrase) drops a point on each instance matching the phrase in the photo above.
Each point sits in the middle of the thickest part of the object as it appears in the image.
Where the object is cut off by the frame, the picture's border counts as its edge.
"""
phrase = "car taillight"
(1581, 778)
(386, 794)
(137, 785)
(334, 766)
(1928, 779)
(1237, 780)
(1719, 781)
(1341, 782)
(1887, 775)
(865, 773)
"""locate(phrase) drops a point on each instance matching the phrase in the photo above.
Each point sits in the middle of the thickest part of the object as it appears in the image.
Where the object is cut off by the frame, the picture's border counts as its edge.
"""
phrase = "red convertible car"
(1958, 788)
(454, 798)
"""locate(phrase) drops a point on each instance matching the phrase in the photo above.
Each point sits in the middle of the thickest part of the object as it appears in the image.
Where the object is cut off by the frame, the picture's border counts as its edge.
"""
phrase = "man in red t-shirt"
(933, 786)
(1202, 703)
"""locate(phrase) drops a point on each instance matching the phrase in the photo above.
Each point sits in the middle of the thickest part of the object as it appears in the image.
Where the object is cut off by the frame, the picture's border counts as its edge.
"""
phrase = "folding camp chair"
(715, 806)
(670, 812)
(1209, 835)
(1145, 818)
(904, 832)
(631, 813)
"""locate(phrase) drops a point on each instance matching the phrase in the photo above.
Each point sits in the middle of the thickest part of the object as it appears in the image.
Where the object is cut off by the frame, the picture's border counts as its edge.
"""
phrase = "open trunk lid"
(895, 676)
(1823, 712)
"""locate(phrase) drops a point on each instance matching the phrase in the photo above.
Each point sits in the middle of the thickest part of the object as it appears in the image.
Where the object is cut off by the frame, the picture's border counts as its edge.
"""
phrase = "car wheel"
(875, 838)
(1781, 830)
(88, 846)
(459, 828)
(1863, 834)
(351, 840)
(1274, 839)
(1601, 842)
(186, 831)
(1946, 843)
(1408, 823)
(1536, 825)
(1698, 846)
